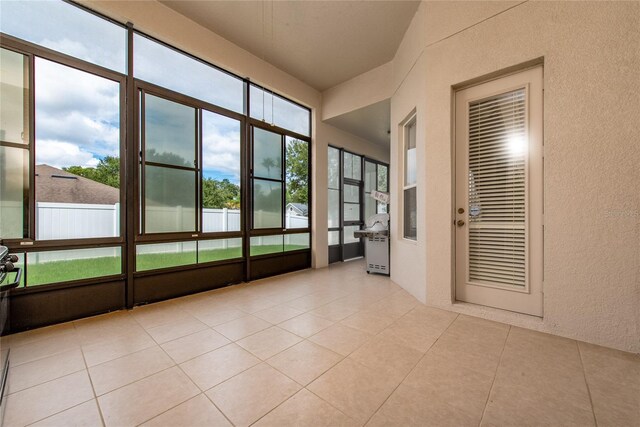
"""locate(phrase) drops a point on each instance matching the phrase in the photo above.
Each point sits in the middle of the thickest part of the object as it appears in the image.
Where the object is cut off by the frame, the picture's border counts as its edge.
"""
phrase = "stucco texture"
(591, 54)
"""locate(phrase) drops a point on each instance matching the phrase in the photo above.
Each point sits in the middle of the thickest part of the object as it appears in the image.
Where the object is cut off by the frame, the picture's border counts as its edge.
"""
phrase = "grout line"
(216, 406)
(584, 374)
(93, 390)
(71, 407)
(495, 375)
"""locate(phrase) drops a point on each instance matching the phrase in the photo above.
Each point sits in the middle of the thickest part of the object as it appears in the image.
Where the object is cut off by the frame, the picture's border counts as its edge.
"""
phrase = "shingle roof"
(302, 208)
(58, 186)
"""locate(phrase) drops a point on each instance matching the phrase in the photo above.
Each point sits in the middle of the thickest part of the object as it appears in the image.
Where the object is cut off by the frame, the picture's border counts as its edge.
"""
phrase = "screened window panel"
(352, 166)
(73, 264)
(267, 154)
(67, 29)
(410, 216)
(262, 245)
(219, 250)
(351, 193)
(166, 67)
(370, 206)
(351, 212)
(334, 208)
(77, 150)
(170, 132)
(170, 200)
(334, 168)
(281, 112)
(220, 173)
(383, 172)
(347, 165)
(370, 179)
(497, 189)
(14, 186)
(267, 204)
(14, 92)
(297, 183)
(164, 255)
(334, 238)
(294, 242)
(348, 234)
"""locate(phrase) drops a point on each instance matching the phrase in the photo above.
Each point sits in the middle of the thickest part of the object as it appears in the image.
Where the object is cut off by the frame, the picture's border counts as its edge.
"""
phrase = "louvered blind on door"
(497, 190)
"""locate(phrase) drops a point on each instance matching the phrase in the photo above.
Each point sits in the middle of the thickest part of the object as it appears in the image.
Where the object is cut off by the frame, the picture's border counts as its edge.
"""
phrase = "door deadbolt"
(460, 223)
(460, 210)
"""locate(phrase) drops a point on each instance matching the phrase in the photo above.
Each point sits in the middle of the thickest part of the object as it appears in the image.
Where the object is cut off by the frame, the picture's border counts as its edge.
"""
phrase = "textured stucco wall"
(591, 57)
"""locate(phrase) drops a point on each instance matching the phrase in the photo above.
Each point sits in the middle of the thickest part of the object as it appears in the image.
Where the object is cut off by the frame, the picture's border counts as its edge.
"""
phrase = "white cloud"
(61, 154)
(77, 109)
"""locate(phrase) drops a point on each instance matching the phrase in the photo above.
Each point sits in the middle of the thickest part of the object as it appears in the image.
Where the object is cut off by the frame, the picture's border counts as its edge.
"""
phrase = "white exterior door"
(499, 199)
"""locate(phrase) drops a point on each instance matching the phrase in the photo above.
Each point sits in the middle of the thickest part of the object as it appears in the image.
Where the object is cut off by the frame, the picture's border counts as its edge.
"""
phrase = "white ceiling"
(322, 43)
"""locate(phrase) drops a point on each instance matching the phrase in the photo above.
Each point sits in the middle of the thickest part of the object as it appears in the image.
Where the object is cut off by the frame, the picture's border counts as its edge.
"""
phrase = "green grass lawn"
(64, 271)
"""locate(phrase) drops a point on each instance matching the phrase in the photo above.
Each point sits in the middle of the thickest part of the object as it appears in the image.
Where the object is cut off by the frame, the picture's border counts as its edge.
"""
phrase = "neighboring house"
(58, 186)
(298, 209)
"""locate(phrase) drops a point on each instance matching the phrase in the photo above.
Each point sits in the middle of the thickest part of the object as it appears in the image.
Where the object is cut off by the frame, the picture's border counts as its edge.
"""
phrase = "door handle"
(460, 223)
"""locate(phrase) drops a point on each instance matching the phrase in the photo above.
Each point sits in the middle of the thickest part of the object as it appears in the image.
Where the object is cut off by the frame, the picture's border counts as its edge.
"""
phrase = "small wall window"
(409, 194)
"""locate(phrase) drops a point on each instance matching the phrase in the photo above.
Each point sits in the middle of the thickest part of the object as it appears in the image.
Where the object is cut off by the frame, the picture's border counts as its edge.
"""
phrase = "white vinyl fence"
(79, 221)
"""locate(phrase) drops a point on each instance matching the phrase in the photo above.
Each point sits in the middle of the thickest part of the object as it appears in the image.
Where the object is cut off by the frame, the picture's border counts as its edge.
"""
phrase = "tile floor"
(325, 348)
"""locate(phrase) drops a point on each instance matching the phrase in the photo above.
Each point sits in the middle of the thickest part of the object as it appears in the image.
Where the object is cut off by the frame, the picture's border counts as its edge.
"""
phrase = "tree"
(106, 172)
(297, 172)
(220, 194)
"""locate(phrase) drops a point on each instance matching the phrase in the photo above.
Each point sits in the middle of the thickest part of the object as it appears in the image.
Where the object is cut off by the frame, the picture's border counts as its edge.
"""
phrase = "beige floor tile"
(613, 378)
(172, 331)
(44, 347)
(544, 374)
(278, 314)
(523, 405)
(354, 389)
(430, 317)
(63, 330)
(185, 348)
(474, 347)
(269, 342)
(306, 325)
(84, 415)
(242, 327)
(371, 323)
(47, 369)
(305, 409)
(219, 365)
(310, 302)
(408, 407)
(95, 354)
(341, 339)
(214, 316)
(387, 355)
(461, 388)
(412, 335)
(118, 372)
(549, 364)
(253, 304)
(334, 311)
(147, 398)
(44, 400)
(196, 412)
(162, 313)
(245, 398)
(107, 327)
(304, 362)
